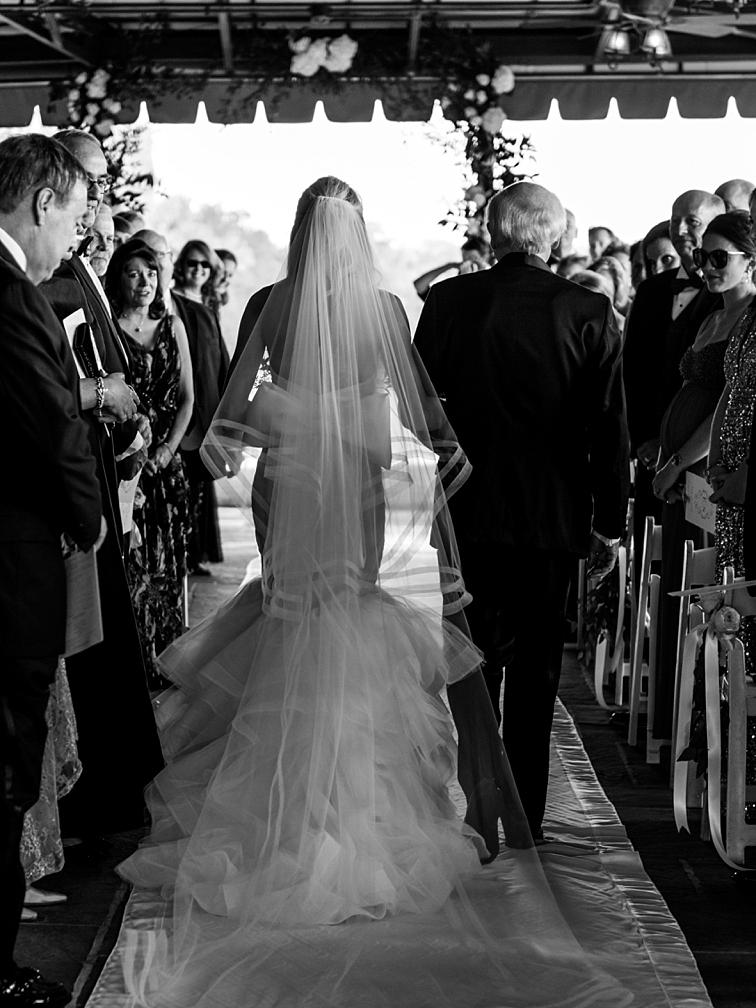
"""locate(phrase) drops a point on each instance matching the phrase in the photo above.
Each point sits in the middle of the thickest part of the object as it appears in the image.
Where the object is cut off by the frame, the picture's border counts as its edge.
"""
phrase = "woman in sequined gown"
(163, 379)
(686, 431)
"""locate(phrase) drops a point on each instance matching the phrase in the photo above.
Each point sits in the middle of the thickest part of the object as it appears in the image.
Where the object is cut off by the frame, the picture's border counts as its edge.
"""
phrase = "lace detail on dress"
(41, 847)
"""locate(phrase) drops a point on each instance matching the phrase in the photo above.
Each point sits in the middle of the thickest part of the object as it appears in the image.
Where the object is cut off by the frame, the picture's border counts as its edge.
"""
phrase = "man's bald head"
(159, 245)
(735, 194)
(525, 217)
(691, 214)
(88, 152)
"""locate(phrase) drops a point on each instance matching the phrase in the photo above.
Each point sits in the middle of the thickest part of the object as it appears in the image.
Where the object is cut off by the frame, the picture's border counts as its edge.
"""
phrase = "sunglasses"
(198, 264)
(717, 257)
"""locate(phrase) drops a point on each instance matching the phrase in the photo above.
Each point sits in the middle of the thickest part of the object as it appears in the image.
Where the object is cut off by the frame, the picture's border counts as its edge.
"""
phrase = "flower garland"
(473, 92)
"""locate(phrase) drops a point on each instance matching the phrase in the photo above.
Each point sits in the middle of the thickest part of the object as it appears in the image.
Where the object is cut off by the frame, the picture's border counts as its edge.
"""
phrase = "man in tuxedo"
(666, 315)
(50, 489)
(120, 756)
(529, 366)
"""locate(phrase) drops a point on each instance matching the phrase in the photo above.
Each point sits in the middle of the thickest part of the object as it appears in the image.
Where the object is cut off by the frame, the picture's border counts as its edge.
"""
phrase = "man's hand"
(731, 488)
(101, 536)
(120, 399)
(648, 453)
(601, 558)
(144, 428)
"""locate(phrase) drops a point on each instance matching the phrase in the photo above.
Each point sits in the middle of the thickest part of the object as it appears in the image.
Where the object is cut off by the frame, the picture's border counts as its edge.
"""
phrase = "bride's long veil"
(308, 746)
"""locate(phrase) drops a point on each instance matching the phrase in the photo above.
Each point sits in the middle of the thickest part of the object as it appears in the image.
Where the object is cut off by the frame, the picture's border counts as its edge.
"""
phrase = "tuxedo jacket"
(530, 367)
(654, 346)
(50, 484)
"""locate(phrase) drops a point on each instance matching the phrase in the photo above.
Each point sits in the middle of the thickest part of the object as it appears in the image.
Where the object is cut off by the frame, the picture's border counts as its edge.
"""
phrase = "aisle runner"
(596, 876)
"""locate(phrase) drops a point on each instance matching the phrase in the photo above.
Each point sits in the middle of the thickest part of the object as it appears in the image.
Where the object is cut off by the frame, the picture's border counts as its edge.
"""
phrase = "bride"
(308, 748)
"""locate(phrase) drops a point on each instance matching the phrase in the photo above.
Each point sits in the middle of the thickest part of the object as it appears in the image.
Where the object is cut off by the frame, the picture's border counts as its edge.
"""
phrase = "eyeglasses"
(103, 182)
(717, 257)
(198, 264)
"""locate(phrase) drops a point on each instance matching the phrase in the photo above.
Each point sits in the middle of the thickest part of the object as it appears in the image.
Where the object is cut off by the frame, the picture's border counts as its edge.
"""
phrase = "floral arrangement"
(472, 83)
(335, 55)
(90, 104)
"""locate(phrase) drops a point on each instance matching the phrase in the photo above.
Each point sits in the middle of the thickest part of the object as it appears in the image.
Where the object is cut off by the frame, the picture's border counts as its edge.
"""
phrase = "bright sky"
(620, 173)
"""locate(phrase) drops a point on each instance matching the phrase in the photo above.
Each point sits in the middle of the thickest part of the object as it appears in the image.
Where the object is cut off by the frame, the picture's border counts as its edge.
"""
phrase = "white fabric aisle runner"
(596, 876)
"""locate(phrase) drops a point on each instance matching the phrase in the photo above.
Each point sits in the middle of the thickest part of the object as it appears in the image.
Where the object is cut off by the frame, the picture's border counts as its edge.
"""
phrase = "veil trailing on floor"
(308, 746)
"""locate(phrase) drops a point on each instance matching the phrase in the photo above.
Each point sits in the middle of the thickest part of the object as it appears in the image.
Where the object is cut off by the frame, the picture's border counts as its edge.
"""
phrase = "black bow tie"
(686, 283)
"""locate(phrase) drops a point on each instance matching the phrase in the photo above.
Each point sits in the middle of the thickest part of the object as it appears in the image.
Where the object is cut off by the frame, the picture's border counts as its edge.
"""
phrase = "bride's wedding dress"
(308, 747)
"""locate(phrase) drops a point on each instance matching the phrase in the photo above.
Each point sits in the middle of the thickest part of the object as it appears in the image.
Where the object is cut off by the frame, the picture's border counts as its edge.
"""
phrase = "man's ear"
(42, 204)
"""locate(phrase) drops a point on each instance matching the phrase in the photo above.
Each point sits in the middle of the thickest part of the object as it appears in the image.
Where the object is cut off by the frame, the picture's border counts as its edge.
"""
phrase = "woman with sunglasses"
(195, 296)
(726, 260)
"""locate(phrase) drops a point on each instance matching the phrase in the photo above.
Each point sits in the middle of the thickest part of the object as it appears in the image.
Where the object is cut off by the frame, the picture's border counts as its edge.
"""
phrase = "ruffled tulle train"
(317, 802)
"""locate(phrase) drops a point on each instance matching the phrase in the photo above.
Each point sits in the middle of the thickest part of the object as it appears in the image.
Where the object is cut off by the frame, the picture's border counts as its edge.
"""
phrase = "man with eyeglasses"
(110, 676)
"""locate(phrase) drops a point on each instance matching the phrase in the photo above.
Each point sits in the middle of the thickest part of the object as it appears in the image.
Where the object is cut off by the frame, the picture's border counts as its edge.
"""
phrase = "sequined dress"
(157, 560)
(740, 373)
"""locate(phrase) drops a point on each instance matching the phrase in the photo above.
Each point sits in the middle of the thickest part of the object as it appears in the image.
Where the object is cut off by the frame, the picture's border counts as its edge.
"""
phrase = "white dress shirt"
(14, 248)
(683, 297)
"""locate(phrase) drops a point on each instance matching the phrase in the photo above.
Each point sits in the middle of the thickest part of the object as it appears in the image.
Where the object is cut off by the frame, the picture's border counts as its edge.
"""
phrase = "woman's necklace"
(130, 320)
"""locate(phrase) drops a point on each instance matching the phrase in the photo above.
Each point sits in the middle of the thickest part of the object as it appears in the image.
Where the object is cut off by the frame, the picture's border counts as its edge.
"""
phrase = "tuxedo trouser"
(517, 619)
(25, 692)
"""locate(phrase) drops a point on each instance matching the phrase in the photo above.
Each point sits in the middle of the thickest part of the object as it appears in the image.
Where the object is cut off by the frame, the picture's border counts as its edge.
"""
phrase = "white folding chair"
(742, 705)
(699, 569)
(646, 628)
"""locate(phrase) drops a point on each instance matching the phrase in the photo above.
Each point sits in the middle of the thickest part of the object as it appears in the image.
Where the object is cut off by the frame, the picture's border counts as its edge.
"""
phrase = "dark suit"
(654, 347)
(50, 487)
(120, 754)
(529, 365)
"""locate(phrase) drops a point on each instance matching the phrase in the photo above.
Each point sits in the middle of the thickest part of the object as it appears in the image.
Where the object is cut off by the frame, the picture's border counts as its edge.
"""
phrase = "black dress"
(209, 364)
(158, 558)
(704, 380)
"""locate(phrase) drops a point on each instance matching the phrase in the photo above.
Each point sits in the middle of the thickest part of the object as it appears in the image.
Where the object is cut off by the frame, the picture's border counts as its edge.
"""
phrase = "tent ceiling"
(551, 44)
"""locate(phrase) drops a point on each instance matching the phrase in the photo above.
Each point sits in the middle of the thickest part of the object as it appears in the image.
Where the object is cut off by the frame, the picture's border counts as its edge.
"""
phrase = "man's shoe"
(28, 989)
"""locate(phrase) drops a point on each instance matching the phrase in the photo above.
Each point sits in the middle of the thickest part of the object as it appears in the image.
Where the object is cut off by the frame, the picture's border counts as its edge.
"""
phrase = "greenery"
(462, 71)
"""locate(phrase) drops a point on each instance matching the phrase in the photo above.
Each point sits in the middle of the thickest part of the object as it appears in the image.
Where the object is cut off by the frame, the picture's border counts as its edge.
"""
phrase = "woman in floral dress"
(163, 379)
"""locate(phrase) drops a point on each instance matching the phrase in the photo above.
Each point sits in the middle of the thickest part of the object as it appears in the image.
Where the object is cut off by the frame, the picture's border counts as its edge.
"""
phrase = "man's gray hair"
(525, 217)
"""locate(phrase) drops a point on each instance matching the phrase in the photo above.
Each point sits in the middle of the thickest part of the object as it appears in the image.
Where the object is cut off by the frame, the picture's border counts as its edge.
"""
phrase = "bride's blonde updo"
(330, 186)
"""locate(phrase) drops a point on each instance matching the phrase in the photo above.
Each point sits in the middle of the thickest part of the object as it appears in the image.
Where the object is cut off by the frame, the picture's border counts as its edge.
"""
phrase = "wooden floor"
(718, 915)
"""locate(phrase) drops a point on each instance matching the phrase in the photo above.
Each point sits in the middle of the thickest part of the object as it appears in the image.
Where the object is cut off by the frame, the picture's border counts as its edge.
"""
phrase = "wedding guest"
(132, 221)
(667, 312)
(529, 365)
(41, 844)
(52, 491)
(570, 265)
(659, 254)
(229, 263)
(195, 297)
(122, 230)
(598, 282)
(475, 256)
(735, 194)
(598, 239)
(618, 278)
(565, 247)
(727, 262)
(163, 380)
(164, 255)
(109, 798)
(101, 245)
